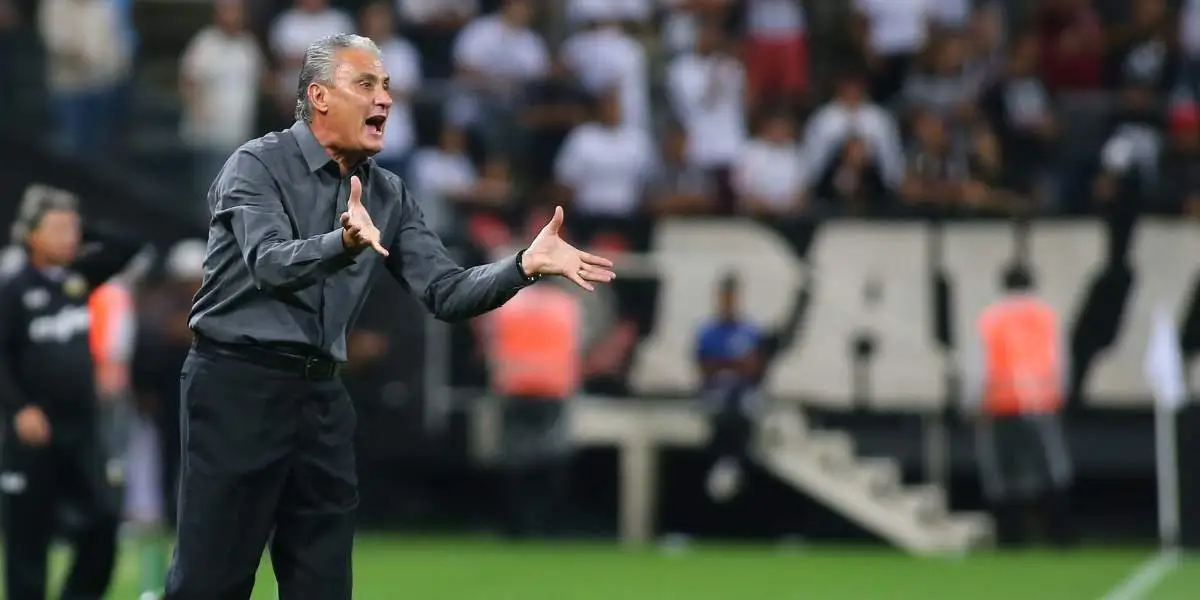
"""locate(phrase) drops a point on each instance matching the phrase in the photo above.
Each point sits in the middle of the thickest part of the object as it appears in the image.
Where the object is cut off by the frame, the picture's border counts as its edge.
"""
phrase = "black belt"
(313, 367)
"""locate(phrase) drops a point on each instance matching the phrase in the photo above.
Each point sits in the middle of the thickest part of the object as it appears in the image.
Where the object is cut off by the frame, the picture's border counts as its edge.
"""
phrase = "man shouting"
(300, 218)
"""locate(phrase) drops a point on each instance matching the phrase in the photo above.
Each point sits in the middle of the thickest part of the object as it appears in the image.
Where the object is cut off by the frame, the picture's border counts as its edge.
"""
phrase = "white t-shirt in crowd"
(403, 65)
(225, 70)
(834, 124)
(1189, 28)
(420, 11)
(294, 30)
(436, 173)
(955, 14)
(583, 11)
(773, 172)
(606, 168)
(708, 95)
(608, 57)
(896, 26)
(490, 46)
(775, 19)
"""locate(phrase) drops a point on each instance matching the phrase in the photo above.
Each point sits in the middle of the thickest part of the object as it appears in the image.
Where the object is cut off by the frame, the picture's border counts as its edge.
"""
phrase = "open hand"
(358, 231)
(548, 254)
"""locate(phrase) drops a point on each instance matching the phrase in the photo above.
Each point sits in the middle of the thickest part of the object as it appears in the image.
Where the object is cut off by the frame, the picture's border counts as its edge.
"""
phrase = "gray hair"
(318, 66)
(38, 201)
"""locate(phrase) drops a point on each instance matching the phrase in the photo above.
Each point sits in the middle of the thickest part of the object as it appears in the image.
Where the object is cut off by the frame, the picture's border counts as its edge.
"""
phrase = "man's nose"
(383, 98)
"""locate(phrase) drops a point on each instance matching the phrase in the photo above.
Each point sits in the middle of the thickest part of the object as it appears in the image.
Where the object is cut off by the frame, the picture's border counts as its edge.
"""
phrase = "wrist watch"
(521, 269)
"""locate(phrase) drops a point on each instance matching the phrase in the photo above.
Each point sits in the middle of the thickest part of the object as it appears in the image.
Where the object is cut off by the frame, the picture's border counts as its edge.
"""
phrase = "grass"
(394, 568)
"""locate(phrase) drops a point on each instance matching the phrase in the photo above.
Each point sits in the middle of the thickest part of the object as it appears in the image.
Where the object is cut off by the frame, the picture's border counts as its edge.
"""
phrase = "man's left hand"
(550, 255)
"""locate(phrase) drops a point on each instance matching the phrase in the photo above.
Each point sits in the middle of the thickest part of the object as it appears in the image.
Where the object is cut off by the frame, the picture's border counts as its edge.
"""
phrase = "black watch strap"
(521, 269)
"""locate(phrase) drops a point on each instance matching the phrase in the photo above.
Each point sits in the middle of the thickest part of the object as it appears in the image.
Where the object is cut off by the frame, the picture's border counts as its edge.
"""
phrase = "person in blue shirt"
(730, 359)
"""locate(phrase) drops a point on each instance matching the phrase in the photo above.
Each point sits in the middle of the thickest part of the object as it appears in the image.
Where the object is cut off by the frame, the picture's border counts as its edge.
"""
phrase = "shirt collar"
(314, 153)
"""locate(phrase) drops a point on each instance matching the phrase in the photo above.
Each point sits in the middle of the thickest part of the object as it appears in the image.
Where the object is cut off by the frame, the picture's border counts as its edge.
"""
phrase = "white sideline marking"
(1147, 576)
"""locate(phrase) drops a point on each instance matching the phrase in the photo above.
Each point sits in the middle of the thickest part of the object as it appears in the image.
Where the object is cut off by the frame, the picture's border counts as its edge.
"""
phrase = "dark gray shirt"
(276, 273)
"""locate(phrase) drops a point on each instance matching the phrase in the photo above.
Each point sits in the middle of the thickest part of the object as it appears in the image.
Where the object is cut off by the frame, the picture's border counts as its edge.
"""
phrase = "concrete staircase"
(868, 491)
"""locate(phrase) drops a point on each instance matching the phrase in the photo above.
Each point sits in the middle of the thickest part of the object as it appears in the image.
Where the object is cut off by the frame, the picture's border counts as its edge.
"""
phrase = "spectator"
(769, 175)
(1189, 40)
(943, 85)
(985, 44)
(776, 51)
(890, 34)
(1019, 109)
(403, 65)
(604, 165)
(850, 114)
(684, 19)
(949, 16)
(553, 107)
(681, 187)
(290, 35)
(584, 13)
(1130, 156)
(1180, 192)
(219, 78)
(444, 177)
(936, 168)
(853, 183)
(1072, 42)
(88, 59)
(984, 190)
(604, 56)
(433, 26)
(707, 89)
(496, 56)
(729, 357)
(9, 21)
(1146, 50)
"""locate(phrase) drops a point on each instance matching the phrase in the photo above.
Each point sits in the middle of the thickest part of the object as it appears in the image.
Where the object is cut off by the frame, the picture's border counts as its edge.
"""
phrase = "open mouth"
(375, 124)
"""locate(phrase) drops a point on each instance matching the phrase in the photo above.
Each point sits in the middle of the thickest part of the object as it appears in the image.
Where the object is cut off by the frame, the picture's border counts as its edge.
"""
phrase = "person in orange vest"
(534, 348)
(1015, 385)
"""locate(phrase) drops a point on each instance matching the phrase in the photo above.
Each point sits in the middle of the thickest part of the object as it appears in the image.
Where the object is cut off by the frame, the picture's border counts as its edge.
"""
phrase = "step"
(879, 476)
(977, 529)
(927, 503)
(782, 428)
(834, 449)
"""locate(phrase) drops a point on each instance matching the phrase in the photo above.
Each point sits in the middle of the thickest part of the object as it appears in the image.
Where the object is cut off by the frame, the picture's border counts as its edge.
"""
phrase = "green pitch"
(395, 568)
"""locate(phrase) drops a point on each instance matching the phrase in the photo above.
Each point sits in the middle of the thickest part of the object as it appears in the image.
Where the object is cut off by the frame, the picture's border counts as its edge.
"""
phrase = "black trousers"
(268, 460)
(36, 484)
(1025, 468)
(537, 466)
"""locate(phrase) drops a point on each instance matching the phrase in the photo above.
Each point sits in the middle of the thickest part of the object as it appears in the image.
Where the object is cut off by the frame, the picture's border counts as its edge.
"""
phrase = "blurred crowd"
(620, 108)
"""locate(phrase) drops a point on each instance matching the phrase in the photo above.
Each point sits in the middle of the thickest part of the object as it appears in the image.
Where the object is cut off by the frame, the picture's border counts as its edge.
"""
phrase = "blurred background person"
(728, 355)
(770, 174)
(604, 166)
(220, 76)
(89, 58)
(495, 57)
(1016, 380)
(535, 352)
(305, 22)
(403, 65)
(706, 89)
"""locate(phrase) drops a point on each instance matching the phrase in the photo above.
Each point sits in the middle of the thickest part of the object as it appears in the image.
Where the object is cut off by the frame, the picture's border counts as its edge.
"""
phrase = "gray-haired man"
(301, 218)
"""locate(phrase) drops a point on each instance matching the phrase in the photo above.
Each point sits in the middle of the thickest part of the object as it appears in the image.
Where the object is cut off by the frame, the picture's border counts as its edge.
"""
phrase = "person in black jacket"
(54, 453)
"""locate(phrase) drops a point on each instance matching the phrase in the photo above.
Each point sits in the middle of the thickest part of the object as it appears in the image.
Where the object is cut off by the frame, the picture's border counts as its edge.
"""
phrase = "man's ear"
(317, 97)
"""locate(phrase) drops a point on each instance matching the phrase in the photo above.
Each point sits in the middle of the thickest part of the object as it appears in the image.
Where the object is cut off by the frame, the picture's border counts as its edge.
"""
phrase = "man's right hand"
(358, 231)
(33, 429)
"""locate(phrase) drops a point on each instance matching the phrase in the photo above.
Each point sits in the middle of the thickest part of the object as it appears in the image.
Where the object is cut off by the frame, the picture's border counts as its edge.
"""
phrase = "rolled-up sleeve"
(247, 201)
(419, 261)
